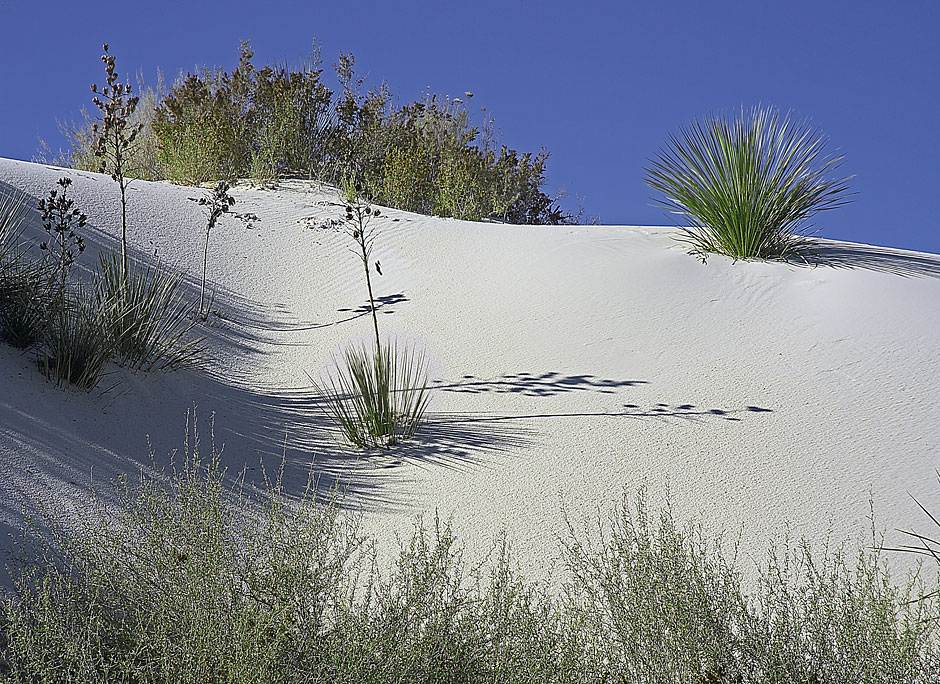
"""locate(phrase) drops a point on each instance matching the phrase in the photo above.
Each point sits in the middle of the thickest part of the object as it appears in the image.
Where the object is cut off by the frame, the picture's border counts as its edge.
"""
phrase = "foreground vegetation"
(189, 579)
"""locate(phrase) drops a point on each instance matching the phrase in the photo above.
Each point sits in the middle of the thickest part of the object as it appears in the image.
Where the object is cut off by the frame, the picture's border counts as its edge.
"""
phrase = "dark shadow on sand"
(882, 259)
(536, 385)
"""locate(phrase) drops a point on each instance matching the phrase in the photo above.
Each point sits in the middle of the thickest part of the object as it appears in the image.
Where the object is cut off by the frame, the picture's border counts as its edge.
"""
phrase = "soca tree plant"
(747, 187)
(377, 397)
(114, 136)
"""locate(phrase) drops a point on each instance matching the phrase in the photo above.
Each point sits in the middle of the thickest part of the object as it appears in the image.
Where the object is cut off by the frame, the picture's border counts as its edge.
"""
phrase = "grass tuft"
(378, 398)
(149, 325)
(74, 347)
(747, 187)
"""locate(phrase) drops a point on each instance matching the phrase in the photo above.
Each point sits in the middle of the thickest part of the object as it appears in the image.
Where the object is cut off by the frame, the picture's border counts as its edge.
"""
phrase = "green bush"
(188, 579)
(747, 187)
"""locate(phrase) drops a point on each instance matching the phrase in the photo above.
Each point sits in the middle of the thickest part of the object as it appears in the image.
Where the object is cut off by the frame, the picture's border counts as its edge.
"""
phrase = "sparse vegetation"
(747, 187)
(114, 138)
(377, 396)
(136, 317)
(189, 579)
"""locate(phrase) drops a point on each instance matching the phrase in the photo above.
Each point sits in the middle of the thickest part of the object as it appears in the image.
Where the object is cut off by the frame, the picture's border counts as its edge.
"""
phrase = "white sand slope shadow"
(569, 364)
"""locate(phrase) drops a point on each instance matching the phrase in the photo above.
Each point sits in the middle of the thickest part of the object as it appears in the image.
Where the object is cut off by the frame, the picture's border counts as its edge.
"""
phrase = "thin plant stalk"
(358, 217)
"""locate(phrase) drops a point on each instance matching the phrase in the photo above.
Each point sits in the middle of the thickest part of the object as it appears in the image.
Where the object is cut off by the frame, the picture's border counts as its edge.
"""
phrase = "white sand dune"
(570, 364)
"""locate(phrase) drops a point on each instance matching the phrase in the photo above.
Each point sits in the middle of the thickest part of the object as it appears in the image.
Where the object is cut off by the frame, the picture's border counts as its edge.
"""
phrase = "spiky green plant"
(13, 212)
(149, 323)
(377, 396)
(747, 187)
(20, 280)
(74, 348)
(25, 297)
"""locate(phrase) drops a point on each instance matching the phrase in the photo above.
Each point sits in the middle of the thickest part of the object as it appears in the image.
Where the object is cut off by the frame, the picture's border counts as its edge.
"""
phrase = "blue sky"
(600, 84)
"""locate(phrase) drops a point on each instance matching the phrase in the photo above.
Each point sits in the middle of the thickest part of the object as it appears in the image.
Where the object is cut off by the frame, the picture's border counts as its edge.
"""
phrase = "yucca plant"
(378, 396)
(747, 187)
(149, 324)
(13, 212)
(74, 348)
(25, 298)
(20, 280)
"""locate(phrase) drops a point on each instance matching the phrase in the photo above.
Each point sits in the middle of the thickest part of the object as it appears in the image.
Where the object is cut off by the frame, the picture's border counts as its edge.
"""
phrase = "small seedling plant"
(217, 203)
(61, 219)
(114, 139)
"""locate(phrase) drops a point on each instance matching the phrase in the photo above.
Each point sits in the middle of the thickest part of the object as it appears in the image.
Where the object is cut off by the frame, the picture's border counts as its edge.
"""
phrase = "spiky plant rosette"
(145, 315)
(377, 397)
(748, 187)
(74, 348)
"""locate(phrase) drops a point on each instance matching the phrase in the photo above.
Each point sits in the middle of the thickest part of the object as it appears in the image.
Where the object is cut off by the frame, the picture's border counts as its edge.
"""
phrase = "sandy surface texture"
(569, 364)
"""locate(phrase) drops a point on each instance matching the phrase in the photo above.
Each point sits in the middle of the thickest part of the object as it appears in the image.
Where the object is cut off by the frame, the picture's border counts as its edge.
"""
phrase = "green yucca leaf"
(150, 325)
(377, 397)
(747, 187)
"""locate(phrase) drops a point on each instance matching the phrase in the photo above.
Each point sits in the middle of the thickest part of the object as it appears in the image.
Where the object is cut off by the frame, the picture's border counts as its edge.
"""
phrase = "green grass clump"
(20, 280)
(149, 326)
(189, 579)
(24, 301)
(378, 396)
(74, 348)
(749, 186)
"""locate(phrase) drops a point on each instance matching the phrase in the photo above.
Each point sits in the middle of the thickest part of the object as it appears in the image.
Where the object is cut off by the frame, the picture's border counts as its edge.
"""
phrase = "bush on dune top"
(186, 580)
(747, 186)
(279, 121)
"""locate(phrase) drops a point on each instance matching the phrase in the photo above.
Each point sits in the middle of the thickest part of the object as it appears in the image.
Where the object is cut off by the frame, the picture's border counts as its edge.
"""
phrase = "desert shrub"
(293, 115)
(149, 326)
(189, 579)
(264, 123)
(747, 187)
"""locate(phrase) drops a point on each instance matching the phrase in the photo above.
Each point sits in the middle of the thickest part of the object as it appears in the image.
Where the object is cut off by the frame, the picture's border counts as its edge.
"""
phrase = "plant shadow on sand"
(882, 259)
(535, 385)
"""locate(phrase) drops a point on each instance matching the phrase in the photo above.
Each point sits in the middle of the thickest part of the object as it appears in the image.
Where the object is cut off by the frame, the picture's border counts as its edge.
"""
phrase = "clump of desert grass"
(376, 395)
(193, 577)
(748, 186)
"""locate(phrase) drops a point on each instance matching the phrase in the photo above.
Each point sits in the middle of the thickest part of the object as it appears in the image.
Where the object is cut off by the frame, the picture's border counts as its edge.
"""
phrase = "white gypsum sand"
(570, 364)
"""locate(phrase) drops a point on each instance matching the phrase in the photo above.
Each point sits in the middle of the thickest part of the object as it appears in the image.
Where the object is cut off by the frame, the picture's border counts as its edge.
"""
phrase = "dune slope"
(570, 364)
